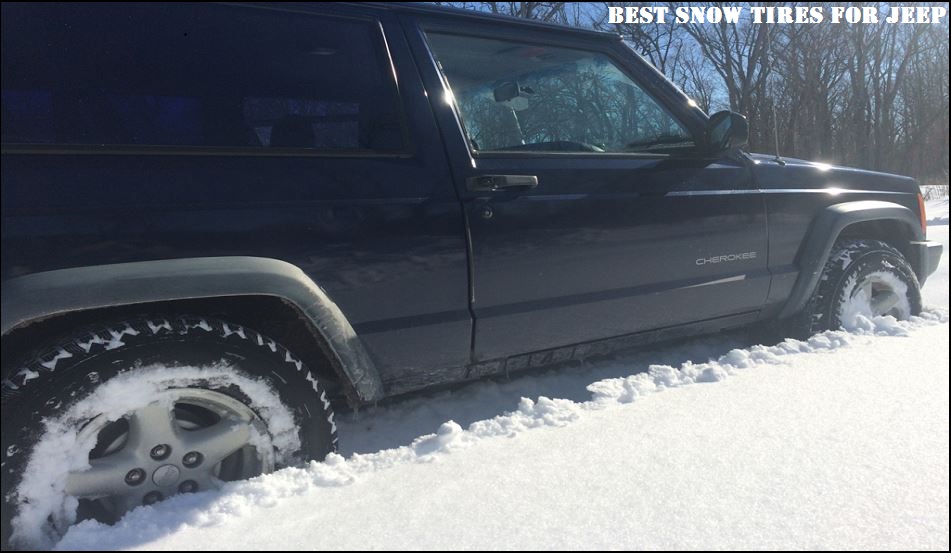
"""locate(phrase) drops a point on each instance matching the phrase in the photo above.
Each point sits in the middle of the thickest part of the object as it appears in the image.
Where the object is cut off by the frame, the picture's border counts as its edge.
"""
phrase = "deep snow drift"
(840, 441)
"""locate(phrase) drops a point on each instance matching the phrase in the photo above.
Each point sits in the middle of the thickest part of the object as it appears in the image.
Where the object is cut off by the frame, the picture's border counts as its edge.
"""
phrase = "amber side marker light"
(924, 218)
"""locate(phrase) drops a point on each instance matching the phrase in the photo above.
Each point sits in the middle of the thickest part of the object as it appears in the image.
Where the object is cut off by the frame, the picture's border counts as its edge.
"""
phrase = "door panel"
(597, 251)
(627, 229)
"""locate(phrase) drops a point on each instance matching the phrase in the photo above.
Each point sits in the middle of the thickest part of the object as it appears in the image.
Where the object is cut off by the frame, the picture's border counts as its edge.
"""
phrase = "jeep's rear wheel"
(127, 414)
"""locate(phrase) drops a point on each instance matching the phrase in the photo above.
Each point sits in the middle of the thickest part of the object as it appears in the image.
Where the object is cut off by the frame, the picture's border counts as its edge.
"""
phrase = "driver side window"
(516, 96)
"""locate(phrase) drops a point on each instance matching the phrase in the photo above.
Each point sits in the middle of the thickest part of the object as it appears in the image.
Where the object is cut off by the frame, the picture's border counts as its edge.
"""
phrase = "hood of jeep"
(792, 174)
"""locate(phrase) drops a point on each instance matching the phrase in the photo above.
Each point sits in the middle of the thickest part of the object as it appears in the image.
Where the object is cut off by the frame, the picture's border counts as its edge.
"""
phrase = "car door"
(591, 211)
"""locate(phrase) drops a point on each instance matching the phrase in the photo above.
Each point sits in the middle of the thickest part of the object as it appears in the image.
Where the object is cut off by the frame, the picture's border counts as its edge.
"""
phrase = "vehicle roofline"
(461, 13)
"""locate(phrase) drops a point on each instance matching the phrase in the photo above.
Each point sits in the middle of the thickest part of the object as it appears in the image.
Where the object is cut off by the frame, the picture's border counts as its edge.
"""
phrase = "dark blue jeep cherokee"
(219, 221)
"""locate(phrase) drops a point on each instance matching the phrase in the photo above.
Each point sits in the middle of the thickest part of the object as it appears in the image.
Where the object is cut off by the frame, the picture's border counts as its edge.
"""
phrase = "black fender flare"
(825, 230)
(36, 296)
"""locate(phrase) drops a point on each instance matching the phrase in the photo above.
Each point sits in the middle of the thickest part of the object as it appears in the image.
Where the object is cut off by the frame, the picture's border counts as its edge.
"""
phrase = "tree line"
(870, 95)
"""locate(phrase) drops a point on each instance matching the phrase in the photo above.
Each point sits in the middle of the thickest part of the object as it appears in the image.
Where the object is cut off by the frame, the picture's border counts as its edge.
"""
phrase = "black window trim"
(561, 39)
(389, 67)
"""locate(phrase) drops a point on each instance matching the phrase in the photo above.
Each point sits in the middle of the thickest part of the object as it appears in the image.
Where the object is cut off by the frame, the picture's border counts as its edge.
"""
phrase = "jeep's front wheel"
(127, 414)
(861, 280)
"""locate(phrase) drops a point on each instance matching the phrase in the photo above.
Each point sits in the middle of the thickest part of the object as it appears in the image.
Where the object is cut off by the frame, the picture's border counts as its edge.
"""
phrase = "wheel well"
(269, 315)
(892, 232)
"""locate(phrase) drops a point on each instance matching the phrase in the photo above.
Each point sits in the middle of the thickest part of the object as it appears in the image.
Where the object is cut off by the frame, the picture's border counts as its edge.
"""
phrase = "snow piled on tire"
(46, 511)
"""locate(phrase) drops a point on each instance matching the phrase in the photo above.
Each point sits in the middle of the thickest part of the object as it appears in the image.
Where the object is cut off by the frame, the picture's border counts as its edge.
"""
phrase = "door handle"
(492, 183)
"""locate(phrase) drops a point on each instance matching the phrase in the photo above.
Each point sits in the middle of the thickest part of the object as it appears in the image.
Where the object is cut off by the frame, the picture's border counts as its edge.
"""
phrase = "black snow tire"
(850, 262)
(46, 384)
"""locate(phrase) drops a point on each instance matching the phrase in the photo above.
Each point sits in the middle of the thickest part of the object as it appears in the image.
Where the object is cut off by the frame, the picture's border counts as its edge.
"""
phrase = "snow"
(857, 311)
(937, 211)
(839, 441)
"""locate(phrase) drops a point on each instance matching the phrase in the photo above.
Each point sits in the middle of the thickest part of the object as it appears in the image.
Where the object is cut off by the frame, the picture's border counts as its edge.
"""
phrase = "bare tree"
(543, 11)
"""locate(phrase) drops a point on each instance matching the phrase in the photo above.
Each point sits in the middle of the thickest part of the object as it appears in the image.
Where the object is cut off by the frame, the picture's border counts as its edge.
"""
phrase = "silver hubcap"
(188, 440)
(881, 298)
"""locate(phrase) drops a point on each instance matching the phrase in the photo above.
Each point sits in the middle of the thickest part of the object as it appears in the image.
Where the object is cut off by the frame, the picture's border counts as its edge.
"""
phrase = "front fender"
(825, 230)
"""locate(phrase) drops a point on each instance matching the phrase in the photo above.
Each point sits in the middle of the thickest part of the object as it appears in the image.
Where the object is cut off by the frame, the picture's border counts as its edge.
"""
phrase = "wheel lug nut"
(160, 451)
(192, 459)
(188, 486)
(152, 497)
(135, 477)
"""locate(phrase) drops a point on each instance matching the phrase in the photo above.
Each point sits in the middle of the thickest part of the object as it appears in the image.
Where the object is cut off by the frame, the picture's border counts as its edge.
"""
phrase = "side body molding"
(39, 295)
(825, 230)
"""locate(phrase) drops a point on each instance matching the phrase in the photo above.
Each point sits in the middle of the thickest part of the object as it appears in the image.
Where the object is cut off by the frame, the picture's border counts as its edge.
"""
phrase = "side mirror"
(726, 130)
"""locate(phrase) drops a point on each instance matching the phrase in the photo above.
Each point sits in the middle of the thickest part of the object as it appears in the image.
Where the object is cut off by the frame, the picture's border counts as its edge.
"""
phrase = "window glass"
(515, 96)
(193, 75)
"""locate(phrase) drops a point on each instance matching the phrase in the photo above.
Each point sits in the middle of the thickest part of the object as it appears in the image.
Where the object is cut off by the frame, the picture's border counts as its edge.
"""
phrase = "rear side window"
(196, 76)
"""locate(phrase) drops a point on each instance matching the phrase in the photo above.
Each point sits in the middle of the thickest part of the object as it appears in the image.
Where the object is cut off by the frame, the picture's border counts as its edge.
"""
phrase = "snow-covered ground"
(937, 211)
(837, 442)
